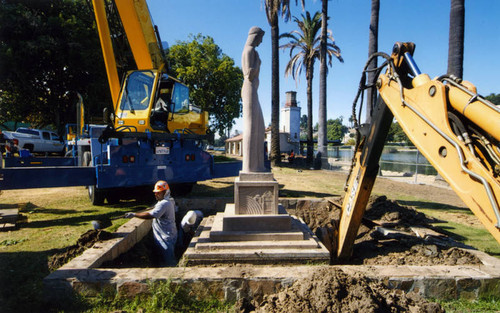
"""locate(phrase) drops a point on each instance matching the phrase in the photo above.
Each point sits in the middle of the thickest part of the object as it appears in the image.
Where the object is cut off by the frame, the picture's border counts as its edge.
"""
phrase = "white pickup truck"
(35, 140)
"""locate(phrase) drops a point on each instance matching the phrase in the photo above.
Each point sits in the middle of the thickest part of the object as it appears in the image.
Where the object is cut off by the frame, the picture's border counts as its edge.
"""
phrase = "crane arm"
(451, 125)
(141, 35)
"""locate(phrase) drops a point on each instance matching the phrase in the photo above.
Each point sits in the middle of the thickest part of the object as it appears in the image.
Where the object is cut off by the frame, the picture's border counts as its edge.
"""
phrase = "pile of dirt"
(332, 290)
(85, 241)
(391, 234)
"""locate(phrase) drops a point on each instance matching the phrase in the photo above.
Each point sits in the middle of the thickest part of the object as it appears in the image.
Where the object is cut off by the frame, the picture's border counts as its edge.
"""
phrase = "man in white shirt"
(164, 229)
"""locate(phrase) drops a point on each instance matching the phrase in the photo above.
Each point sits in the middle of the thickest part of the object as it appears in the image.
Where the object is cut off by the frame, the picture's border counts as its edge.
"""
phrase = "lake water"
(396, 159)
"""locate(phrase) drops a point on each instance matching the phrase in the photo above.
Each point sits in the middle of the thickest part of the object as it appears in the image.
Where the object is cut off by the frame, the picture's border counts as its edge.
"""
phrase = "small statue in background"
(253, 120)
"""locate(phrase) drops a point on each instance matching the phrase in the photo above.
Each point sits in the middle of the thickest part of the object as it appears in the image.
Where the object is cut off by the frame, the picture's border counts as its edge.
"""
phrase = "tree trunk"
(372, 48)
(322, 137)
(310, 144)
(456, 38)
(275, 96)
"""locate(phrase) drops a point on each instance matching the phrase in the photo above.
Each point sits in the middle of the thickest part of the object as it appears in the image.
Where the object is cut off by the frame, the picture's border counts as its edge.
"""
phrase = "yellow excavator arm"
(452, 126)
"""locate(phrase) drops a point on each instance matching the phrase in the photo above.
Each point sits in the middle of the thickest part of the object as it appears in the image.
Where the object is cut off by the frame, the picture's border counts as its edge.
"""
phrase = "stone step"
(263, 256)
(255, 245)
(9, 215)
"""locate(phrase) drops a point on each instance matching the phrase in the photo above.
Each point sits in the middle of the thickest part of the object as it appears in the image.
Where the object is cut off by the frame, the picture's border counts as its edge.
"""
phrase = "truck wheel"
(96, 195)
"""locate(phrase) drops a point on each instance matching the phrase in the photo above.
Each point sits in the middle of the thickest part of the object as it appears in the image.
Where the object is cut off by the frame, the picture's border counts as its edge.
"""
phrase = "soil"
(85, 241)
(334, 291)
(388, 235)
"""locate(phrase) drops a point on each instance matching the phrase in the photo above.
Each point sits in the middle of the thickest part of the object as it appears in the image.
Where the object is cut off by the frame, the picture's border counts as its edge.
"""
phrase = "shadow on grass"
(303, 194)
(436, 206)
(448, 231)
(117, 210)
(21, 288)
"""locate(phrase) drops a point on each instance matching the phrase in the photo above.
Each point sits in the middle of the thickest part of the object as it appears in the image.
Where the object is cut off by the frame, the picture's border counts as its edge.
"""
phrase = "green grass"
(163, 296)
(476, 237)
(470, 306)
(50, 220)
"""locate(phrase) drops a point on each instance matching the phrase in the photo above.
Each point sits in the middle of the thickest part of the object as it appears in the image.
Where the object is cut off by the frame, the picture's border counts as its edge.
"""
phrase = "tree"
(274, 8)
(372, 48)
(456, 38)
(46, 49)
(214, 80)
(335, 129)
(322, 140)
(306, 41)
(495, 98)
(397, 134)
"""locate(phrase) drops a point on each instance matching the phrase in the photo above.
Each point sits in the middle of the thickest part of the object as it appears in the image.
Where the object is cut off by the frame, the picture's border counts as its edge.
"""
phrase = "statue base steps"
(256, 239)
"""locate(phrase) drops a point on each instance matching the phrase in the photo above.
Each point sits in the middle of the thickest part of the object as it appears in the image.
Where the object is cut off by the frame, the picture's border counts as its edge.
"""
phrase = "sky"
(424, 22)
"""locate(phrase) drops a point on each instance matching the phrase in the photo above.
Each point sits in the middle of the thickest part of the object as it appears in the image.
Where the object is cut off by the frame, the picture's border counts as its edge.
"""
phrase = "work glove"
(129, 215)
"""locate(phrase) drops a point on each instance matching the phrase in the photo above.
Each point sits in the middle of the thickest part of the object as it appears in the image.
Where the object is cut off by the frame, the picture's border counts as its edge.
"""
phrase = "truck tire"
(96, 195)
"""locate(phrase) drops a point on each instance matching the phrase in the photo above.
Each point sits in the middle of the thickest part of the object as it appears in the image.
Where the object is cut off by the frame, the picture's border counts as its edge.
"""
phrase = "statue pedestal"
(255, 229)
(256, 193)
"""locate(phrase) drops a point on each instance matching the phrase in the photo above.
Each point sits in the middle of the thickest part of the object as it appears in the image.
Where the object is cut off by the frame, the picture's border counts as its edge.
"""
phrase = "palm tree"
(307, 41)
(322, 136)
(372, 48)
(456, 38)
(274, 8)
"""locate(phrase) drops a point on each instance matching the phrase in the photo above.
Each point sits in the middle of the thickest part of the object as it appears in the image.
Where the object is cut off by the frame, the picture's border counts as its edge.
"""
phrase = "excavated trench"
(399, 258)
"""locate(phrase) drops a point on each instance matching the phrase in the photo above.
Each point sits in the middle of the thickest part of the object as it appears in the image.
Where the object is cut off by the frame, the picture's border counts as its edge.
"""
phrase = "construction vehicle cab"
(152, 101)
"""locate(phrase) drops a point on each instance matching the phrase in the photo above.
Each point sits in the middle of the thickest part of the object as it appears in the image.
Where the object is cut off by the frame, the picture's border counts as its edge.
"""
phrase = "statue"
(253, 121)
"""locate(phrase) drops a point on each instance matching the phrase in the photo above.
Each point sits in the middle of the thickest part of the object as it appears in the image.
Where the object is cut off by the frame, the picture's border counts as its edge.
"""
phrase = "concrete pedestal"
(256, 193)
(255, 229)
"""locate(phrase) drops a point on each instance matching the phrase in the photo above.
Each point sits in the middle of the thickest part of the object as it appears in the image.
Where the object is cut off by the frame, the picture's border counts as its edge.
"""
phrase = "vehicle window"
(55, 137)
(46, 136)
(180, 98)
(27, 131)
(137, 91)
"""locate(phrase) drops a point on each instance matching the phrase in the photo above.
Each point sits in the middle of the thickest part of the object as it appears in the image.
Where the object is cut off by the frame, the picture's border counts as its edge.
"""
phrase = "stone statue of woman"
(253, 121)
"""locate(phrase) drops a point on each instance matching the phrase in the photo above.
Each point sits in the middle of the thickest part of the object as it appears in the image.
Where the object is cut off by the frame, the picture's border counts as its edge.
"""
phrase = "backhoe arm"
(453, 127)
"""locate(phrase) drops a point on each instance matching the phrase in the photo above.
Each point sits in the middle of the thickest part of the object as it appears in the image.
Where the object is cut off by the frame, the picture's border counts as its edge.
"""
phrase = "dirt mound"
(391, 234)
(390, 213)
(331, 290)
(85, 241)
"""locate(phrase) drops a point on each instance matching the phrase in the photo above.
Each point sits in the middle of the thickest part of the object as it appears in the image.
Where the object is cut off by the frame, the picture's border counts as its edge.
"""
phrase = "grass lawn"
(53, 219)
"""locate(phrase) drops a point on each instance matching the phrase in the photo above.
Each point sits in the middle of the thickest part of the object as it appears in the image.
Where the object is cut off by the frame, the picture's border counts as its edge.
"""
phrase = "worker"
(164, 229)
(291, 157)
(189, 224)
